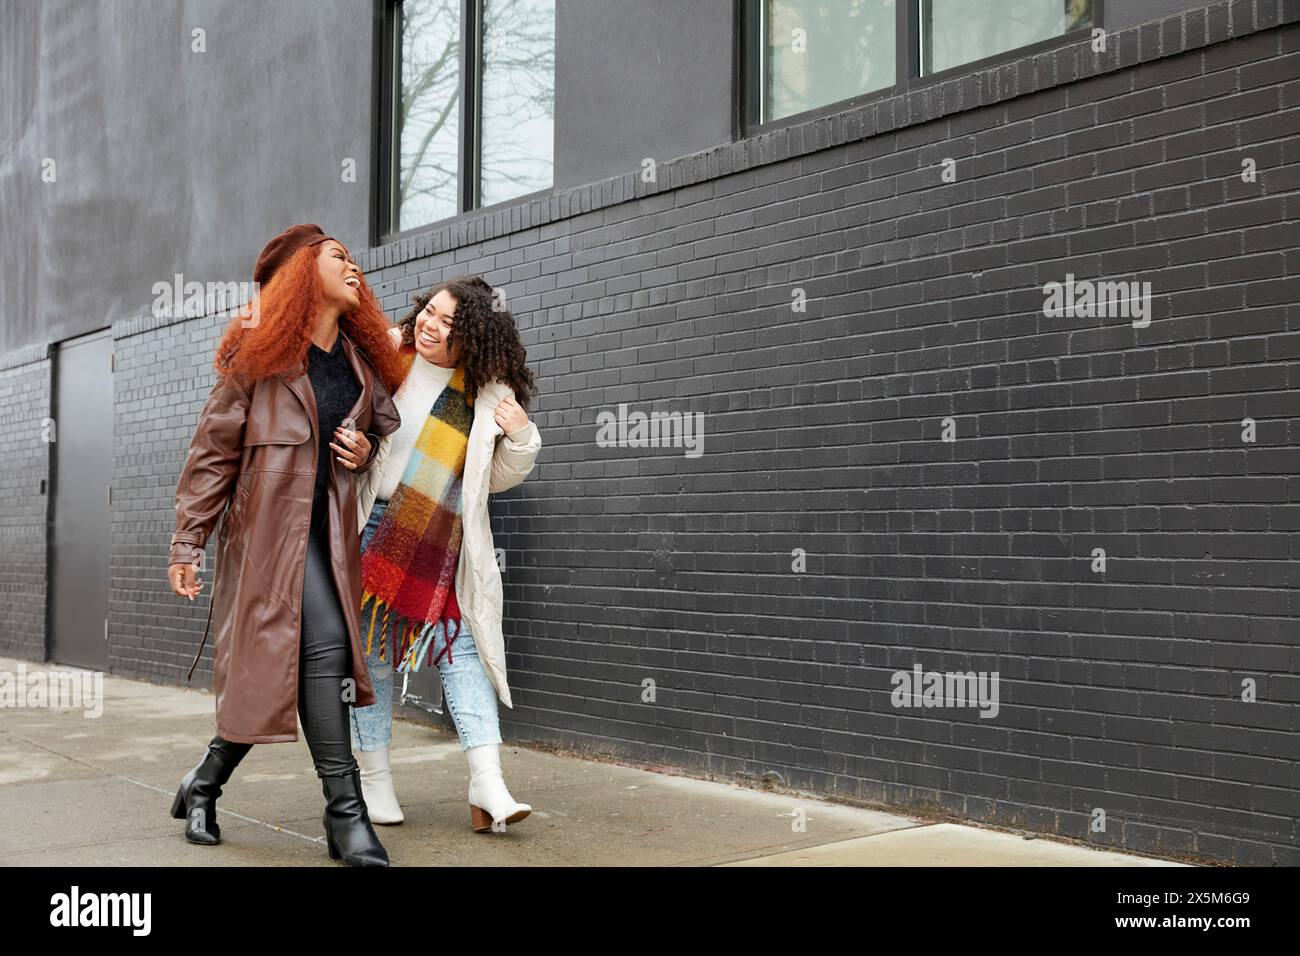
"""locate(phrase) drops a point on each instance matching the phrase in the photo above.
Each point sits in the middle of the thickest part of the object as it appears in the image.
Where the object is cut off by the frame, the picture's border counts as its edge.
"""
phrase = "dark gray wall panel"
(636, 80)
(170, 160)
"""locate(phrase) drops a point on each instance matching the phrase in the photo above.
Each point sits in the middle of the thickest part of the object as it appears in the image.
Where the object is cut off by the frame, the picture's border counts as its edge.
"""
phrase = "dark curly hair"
(489, 339)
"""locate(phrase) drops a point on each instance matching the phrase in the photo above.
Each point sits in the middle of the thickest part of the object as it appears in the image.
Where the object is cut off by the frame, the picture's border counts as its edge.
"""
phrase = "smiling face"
(340, 277)
(433, 326)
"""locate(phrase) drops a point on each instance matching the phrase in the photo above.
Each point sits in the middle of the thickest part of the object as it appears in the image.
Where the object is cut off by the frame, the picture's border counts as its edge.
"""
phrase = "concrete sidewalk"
(78, 791)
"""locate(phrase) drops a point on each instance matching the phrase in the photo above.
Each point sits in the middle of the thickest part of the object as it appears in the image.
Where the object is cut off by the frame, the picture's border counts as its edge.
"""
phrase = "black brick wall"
(163, 377)
(1119, 691)
(24, 515)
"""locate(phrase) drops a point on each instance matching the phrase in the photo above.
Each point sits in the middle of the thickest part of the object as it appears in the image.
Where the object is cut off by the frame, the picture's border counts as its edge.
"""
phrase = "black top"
(336, 389)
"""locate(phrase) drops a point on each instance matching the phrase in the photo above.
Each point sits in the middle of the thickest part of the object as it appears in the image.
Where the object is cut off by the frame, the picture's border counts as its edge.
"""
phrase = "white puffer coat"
(493, 462)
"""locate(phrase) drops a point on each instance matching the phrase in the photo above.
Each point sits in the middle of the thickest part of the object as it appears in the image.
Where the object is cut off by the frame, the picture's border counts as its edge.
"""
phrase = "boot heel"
(329, 838)
(178, 805)
(479, 819)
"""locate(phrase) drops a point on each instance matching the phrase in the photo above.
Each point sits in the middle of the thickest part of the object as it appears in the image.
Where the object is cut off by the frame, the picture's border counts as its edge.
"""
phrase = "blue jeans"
(465, 685)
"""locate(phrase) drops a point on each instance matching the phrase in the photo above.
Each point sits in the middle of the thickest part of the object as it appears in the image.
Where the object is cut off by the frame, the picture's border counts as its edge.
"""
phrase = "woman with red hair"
(305, 376)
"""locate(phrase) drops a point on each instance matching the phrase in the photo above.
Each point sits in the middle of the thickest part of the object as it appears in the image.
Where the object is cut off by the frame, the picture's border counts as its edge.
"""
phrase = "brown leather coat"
(253, 458)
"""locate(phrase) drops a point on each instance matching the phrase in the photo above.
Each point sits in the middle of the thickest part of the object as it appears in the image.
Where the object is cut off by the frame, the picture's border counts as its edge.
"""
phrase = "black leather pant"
(324, 662)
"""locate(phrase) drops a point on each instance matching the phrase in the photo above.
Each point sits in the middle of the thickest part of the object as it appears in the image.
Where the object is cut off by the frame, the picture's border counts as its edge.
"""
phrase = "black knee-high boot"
(324, 664)
(196, 800)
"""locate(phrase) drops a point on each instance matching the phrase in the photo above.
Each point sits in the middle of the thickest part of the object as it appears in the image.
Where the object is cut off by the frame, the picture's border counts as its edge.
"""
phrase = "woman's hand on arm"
(514, 454)
(352, 448)
(510, 415)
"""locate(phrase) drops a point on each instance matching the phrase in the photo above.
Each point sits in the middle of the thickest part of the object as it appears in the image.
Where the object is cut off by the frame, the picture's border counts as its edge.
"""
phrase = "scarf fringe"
(411, 639)
(422, 646)
(370, 634)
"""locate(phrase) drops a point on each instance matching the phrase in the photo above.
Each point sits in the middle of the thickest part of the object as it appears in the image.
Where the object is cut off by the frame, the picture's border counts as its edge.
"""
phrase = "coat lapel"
(300, 385)
(362, 377)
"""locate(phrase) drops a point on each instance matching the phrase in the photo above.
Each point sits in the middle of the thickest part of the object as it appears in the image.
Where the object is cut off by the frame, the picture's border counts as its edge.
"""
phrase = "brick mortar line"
(1227, 203)
(1072, 735)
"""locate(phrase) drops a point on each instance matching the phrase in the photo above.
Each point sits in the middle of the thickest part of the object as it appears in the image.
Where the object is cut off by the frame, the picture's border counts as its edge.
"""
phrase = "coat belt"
(211, 601)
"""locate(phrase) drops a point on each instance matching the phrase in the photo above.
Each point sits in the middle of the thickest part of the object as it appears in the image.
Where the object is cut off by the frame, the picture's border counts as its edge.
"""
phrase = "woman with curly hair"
(307, 361)
(431, 587)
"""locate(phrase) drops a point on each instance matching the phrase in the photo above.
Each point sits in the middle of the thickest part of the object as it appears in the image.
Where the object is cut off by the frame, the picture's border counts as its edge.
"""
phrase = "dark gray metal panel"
(636, 80)
(83, 451)
(170, 160)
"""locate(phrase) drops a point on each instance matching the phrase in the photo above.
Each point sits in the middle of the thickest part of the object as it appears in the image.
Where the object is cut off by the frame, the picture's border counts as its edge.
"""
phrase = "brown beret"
(280, 249)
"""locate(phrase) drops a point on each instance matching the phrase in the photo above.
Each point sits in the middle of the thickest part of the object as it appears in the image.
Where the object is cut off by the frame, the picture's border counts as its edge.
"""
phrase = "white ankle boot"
(490, 805)
(377, 786)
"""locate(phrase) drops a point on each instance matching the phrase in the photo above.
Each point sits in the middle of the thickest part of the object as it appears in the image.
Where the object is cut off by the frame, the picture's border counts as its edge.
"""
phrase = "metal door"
(81, 477)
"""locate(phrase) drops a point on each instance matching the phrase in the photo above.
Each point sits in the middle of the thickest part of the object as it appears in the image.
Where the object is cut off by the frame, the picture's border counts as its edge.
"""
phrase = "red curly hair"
(286, 310)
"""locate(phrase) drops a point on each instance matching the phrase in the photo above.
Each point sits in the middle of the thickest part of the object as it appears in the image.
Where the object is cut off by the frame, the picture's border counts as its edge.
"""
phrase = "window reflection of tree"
(428, 113)
(518, 86)
(518, 81)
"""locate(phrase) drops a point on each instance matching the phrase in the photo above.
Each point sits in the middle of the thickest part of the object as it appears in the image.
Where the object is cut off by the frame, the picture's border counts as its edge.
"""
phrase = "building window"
(427, 121)
(467, 107)
(813, 53)
(815, 57)
(956, 32)
(518, 103)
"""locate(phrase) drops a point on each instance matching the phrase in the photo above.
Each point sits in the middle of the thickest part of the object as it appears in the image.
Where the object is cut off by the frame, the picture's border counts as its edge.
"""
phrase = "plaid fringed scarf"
(408, 569)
